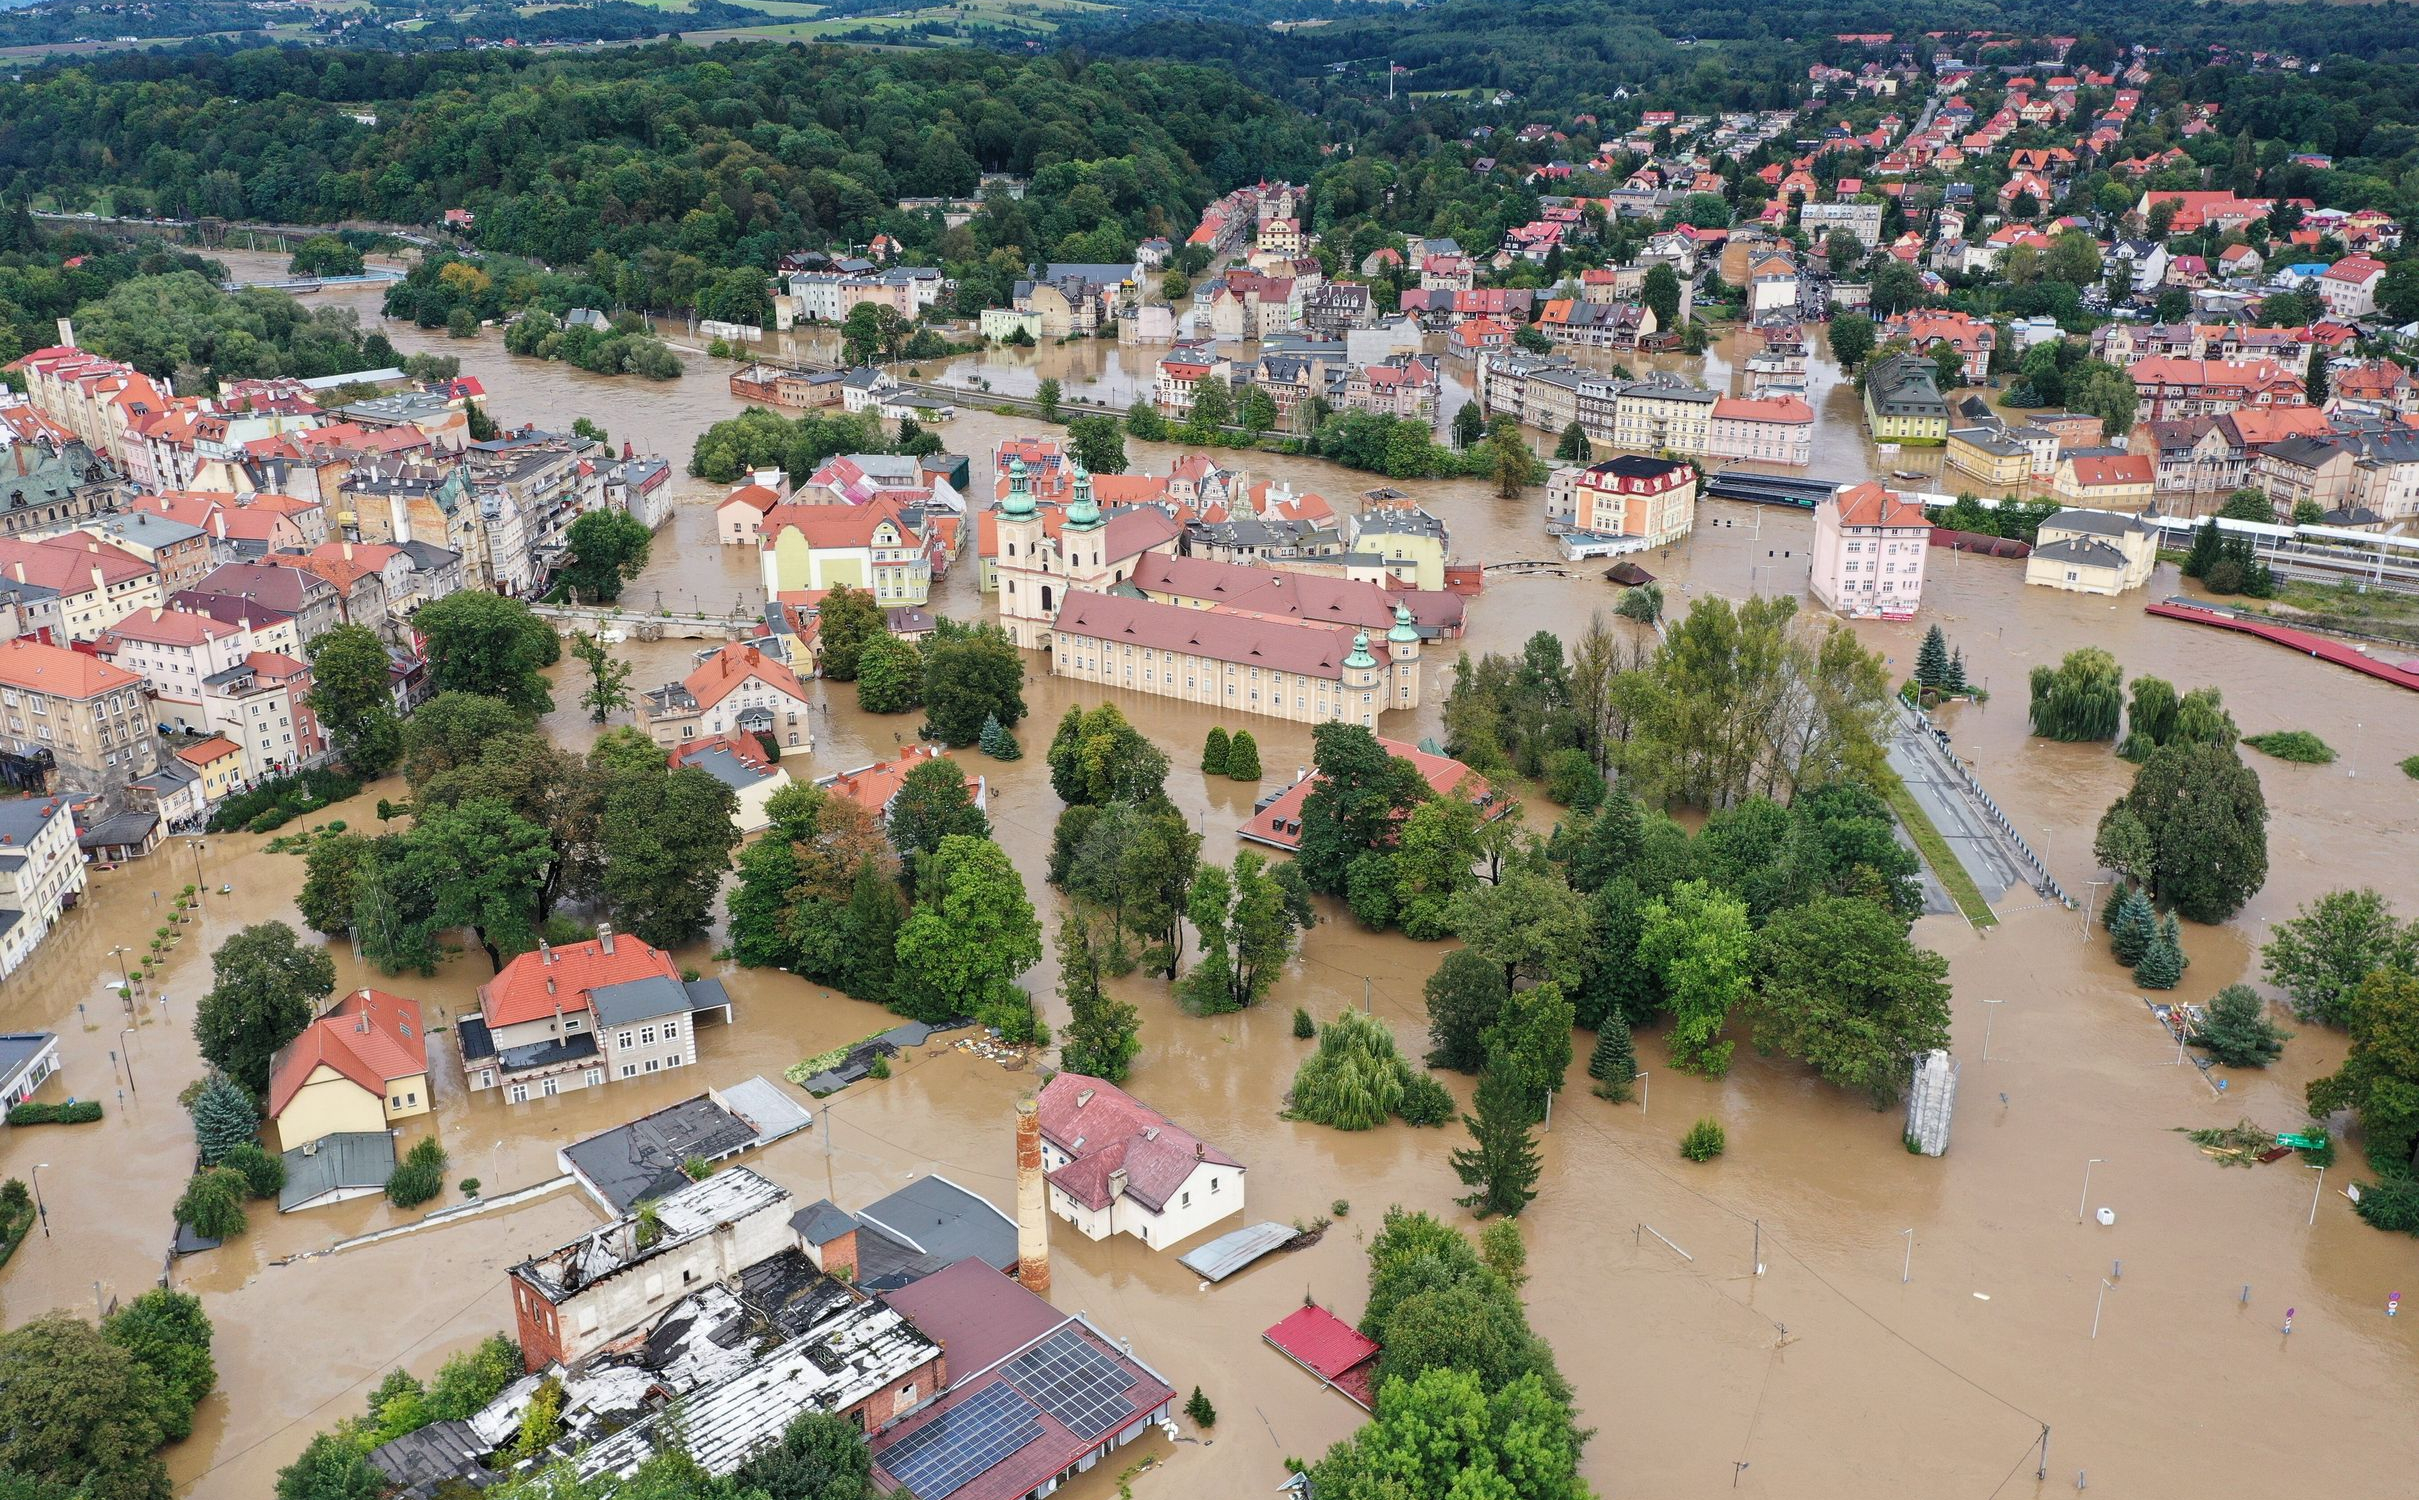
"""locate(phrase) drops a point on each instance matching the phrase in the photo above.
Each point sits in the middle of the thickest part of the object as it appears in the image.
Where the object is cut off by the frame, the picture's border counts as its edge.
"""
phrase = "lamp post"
(2096, 1306)
(40, 1211)
(1642, 1077)
(2086, 1198)
(200, 886)
(1990, 1011)
(119, 953)
(2315, 1189)
(1906, 1272)
(126, 1044)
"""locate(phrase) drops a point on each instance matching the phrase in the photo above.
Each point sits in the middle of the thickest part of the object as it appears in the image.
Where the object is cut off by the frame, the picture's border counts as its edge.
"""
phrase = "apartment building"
(1869, 547)
(176, 651)
(96, 583)
(581, 1015)
(84, 720)
(262, 703)
(41, 873)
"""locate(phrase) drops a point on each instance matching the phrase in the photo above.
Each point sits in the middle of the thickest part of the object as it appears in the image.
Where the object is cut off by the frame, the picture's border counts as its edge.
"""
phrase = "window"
(629, 1070)
(622, 1040)
(671, 1030)
(517, 1094)
(652, 1065)
(1188, 1200)
(550, 1087)
(1213, 1183)
(646, 1036)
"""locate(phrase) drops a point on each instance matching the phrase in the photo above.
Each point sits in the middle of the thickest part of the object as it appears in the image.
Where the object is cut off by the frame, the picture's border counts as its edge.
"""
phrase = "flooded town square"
(1772, 1336)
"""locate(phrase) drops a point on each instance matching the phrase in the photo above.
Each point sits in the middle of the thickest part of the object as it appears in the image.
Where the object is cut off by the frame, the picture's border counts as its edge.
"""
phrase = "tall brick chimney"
(1032, 1211)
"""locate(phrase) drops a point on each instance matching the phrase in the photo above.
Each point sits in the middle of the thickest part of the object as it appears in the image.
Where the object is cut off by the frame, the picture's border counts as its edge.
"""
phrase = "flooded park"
(1791, 1345)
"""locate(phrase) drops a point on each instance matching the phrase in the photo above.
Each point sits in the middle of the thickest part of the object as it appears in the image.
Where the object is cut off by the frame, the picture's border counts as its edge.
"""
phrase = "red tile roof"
(735, 666)
(369, 1036)
(1282, 594)
(204, 752)
(2115, 469)
(873, 787)
(534, 985)
(1869, 504)
(1278, 823)
(1104, 1128)
(1280, 645)
(29, 664)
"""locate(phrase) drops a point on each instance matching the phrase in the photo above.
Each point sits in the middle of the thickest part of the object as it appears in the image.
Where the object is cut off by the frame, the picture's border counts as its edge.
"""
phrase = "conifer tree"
(1214, 753)
(2135, 928)
(2162, 963)
(1956, 683)
(1932, 659)
(1614, 1063)
(998, 741)
(224, 1118)
(2205, 548)
(1243, 756)
(1500, 1168)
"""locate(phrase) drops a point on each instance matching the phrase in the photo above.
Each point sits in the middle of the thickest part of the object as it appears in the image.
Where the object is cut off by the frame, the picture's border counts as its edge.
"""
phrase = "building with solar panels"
(1036, 1395)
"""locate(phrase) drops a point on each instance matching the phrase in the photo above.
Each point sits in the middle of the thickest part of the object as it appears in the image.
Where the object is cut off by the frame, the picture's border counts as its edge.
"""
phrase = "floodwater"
(1943, 1381)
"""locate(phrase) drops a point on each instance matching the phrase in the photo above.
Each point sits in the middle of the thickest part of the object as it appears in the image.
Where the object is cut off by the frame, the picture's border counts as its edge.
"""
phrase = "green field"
(1037, 18)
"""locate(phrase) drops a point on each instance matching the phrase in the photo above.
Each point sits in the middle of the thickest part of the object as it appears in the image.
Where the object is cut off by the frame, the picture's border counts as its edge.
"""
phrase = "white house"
(1117, 1166)
(41, 871)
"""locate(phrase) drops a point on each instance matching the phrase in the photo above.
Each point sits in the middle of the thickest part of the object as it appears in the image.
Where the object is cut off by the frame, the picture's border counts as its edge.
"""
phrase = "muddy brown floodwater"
(1941, 1383)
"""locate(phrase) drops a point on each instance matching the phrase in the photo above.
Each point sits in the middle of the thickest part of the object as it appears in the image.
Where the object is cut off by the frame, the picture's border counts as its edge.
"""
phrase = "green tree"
(1432, 863)
(2314, 376)
(2237, 1031)
(1501, 1165)
(972, 934)
(2135, 929)
(1199, 1411)
(2106, 392)
(1096, 757)
(821, 1456)
(664, 842)
(1160, 864)
(2080, 698)
(1531, 1041)
(971, 675)
(608, 690)
(1352, 806)
(1257, 410)
(1614, 1061)
(1213, 409)
(167, 1332)
(1574, 446)
(354, 698)
(1697, 940)
(2322, 954)
(1530, 923)
(213, 1202)
(1214, 752)
(890, 675)
(845, 621)
(1571, 778)
(455, 729)
(1465, 998)
(933, 803)
(324, 255)
(1839, 987)
(1354, 1080)
(1101, 1038)
(484, 643)
(1144, 421)
(1097, 444)
(1509, 460)
(1932, 659)
(487, 864)
(996, 742)
(1046, 397)
(1243, 757)
(2206, 825)
(1449, 1433)
(1469, 424)
(1852, 339)
(263, 1174)
(608, 548)
(2162, 963)
(224, 1117)
(266, 986)
(1660, 291)
(1248, 921)
(330, 1467)
(1531, 339)
(79, 1411)
(2379, 1079)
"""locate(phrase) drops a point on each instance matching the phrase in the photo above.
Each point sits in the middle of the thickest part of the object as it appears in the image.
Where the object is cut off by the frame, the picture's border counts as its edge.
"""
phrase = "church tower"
(1084, 539)
(1402, 649)
(1028, 593)
(1363, 683)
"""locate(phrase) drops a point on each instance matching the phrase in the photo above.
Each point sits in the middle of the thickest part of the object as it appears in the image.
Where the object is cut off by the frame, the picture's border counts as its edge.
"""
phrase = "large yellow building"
(1903, 403)
(878, 548)
(1090, 551)
(1242, 663)
(356, 1070)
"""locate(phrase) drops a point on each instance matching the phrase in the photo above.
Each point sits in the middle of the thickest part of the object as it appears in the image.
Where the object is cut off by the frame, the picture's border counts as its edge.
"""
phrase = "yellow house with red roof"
(356, 1070)
(878, 548)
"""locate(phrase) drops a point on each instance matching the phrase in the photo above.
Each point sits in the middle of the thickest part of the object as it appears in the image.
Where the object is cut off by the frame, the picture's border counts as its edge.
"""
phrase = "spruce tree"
(1200, 1411)
(224, 1118)
(998, 741)
(1501, 1165)
(1243, 756)
(2205, 547)
(1614, 1063)
(2135, 928)
(1214, 753)
(1956, 683)
(2162, 963)
(1932, 659)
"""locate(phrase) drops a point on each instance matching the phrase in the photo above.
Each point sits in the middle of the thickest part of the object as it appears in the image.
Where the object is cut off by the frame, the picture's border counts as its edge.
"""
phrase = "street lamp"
(1906, 1272)
(40, 1210)
(2316, 1188)
(2105, 1283)
(1990, 1012)
(126, 1040)
(119, 953)
(2079, 1202)
(1642, 1077)
(199, 885)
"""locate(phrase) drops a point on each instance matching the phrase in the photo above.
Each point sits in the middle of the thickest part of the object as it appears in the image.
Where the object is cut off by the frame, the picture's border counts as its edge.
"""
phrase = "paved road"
(1941, 792)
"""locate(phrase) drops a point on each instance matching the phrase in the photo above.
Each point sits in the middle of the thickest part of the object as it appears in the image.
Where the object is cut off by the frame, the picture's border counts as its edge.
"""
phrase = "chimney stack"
(1032, 1222)
(604, 936)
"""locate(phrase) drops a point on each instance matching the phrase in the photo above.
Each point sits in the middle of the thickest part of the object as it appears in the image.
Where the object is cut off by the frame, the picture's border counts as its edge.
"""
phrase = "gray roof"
(145, 529)
(724, 766)
(2083, 551)
(18, 1049)
(439, 1453)
(822, 1221)
(2097, 522)
(130, 827)
(22, 819)
(929, 1224)
(547, 1053)
(2306, 452)
(348, 1161)
(638, 1000)
(642, 1159)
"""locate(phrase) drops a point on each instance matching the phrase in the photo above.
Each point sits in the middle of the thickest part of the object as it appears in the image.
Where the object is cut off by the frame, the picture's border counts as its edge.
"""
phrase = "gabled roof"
(733, 667)
(35, 667)
(370, 1036)
(535, 985)
(1104, 1129)
(1282, 645)
(1869, 504)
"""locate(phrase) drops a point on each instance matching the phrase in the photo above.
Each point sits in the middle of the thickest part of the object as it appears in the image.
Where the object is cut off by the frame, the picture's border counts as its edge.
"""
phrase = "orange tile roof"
(1869, 504)
(1279, 822)
(535, 985)
(29, 664)
(732, 666)
(369, 1036)
(873, 787)
(834, 525)
(2115, 469)
(204, 752)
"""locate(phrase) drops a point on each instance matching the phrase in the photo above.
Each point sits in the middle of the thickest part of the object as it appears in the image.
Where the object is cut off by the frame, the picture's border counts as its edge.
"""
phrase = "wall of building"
(329, 1104)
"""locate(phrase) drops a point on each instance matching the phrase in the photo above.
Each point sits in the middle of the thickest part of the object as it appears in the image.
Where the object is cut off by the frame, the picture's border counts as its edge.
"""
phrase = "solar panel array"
(1074, 1382)
(938, 1459)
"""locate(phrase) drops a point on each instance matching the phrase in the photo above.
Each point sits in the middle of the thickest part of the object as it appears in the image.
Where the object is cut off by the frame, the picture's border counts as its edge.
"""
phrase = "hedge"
(275, 803)
(76, 1112)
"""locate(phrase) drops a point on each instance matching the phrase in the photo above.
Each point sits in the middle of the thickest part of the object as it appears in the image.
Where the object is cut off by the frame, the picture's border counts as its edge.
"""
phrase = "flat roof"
(642, 1158)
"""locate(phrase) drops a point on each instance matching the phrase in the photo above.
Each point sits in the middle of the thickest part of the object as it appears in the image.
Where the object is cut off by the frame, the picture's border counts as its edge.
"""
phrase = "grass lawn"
(1936, 853)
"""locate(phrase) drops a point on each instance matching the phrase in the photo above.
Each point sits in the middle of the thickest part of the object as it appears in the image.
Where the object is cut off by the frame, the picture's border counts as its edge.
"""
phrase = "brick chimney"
(1032, 1211)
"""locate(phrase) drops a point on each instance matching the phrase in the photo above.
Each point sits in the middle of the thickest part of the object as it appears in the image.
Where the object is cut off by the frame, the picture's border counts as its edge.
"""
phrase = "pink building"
(1869, 547)
(1773, 429)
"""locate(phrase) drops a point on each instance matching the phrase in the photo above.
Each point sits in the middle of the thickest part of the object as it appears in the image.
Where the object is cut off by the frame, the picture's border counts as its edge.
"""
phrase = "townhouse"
(1869, 546)
(739, 690)
(42, 874)
(79, 721)
(95, 582)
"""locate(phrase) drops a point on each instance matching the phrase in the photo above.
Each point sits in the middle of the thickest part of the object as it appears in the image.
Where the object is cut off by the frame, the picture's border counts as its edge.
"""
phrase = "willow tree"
(2079, 699)
(1355, 1080)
